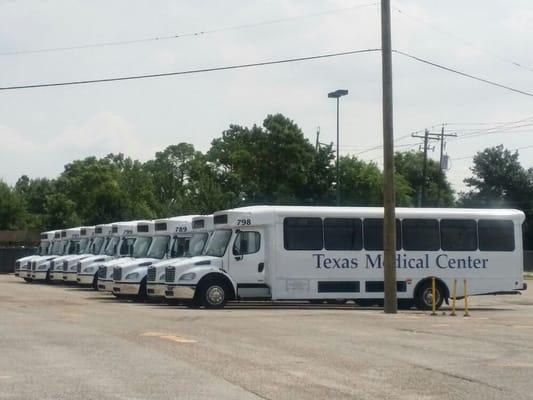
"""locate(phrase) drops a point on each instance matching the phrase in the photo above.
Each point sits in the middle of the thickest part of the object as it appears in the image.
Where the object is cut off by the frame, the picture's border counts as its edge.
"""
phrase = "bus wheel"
(28, 279)
(424, 296)
(213, 294)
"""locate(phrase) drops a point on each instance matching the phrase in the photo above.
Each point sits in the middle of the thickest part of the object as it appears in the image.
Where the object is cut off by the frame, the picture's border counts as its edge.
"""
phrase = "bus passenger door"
(247, 263)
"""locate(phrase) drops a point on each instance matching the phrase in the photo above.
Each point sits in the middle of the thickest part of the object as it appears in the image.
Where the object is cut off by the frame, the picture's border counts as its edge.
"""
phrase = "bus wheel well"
(214, 276)
(438, 282)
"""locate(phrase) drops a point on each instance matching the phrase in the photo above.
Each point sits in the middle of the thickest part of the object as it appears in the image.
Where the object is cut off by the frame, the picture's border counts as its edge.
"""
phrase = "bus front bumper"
(39, 275)
(156, 289)
(181, 292)
(85, 279)
(105, 285)
(71, 277)
(126, 287)
(56, 276)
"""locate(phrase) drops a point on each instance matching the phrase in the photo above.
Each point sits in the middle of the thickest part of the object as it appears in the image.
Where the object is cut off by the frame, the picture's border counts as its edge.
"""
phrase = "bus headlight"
(133, 275)
(188, 277)
(162, 277)
(43, 266)
(73, 268)
(89, 269)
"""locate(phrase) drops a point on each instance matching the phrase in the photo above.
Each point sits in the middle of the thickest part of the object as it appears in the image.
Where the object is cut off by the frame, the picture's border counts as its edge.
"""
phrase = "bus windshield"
(111, 248)
(43, 248)
(159, 247)
(56, 248)
(63, 249)
(85, 243)
(73, 247)
(141, 246)
(180, 245)
(126, 247)
(197, 244)
(97, 245)
(216, 246)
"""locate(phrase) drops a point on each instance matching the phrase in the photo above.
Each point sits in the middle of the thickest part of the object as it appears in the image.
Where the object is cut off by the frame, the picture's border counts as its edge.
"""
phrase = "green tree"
(33, 193)
(271, 164)
(362, 184)
(170, 173)
(499, 181)
(410, 165)
(12, 212)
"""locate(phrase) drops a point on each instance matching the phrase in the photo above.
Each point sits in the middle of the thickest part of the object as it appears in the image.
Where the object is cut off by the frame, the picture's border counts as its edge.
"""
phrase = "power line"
(468, 43)
(264, 63)
(185, 35)
(515, 149)
(455, 71)
(190, 72)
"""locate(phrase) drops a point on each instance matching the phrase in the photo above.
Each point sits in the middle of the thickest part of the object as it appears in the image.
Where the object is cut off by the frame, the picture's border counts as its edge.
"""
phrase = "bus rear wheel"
(424, 296)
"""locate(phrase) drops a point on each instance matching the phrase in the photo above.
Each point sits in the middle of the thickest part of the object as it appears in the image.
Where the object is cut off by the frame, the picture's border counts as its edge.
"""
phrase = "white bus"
(83, 247)
(202, 227)
(63, 246)
(70, 241)
(170, 239)
(22, 265)
(103, 248)
(328, 253)
(135, 239)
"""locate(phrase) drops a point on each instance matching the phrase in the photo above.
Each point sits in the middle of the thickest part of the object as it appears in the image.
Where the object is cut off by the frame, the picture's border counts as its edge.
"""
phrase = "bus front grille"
(170, 274)
(151, 274)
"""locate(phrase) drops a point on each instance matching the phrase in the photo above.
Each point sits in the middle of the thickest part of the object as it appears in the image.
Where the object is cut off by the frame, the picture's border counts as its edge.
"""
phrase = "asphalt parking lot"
(60, 342)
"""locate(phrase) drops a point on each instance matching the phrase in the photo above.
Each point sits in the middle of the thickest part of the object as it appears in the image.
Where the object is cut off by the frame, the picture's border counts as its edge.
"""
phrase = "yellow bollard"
(454, 296)
(466, 298)
(433, 290)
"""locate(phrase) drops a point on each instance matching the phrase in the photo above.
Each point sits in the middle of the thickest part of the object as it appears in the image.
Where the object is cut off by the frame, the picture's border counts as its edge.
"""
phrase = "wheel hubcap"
(215, 295)
(428, 297)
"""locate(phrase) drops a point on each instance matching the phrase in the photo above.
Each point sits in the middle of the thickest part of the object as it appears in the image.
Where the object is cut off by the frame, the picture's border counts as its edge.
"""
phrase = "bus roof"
(269, 214)
(181, 224)
(203, 223)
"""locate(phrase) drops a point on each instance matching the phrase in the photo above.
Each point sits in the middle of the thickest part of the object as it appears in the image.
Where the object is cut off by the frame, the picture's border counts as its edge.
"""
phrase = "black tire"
(28, 280)
(213, 294)
(424, 295)
(94, 285)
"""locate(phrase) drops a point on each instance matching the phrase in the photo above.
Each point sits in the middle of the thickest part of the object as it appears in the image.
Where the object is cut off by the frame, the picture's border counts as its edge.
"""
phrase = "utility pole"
(440, 164)
(317, 138)
(389, 202)
(427, 137)
(424, 169)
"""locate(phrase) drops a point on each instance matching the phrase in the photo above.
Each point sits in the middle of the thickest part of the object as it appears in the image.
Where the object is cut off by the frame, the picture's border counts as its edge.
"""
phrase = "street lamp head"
(337, 93)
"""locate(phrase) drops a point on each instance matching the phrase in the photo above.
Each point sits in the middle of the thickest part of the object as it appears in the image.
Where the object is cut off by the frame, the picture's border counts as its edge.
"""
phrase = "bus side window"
(421, 234)
(458, 234)
(496, 235)
(247, 243)
(343, 234)
(303, 233)
(373, 234)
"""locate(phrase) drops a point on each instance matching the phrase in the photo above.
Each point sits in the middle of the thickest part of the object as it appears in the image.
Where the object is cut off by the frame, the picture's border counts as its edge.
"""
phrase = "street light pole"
(337, 94)
(338, 186)
(389, 218)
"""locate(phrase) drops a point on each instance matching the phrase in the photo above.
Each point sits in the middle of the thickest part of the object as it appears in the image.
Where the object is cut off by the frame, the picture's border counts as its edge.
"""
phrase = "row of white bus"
(317, 254)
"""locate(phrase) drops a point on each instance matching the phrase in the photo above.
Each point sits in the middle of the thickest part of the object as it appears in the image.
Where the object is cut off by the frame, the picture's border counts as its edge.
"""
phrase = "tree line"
(272, 163)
